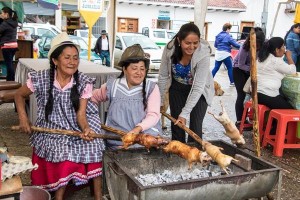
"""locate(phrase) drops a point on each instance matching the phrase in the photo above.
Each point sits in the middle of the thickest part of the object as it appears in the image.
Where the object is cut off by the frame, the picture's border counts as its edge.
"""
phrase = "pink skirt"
(51, 176)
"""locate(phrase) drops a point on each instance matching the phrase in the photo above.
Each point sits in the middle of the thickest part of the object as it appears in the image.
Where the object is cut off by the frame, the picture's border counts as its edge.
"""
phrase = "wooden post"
(253, 73)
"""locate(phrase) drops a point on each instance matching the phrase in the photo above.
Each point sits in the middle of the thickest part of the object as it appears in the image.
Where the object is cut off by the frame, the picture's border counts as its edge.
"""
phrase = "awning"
(69, 7)
(36, 9)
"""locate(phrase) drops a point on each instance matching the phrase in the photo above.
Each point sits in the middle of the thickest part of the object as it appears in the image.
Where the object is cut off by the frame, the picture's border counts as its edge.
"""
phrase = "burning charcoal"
(196, 171)
(216, 173)
(167, 173)
(186, 176)
(149, 180)
(178, 177)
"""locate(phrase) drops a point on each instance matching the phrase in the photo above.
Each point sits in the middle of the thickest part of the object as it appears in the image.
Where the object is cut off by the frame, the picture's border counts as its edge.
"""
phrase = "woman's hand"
(86, 135)
(136, 129)
(25, 126)
(180, 120)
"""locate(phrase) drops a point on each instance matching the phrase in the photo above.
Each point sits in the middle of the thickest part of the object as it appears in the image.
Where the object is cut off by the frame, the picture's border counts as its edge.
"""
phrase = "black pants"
(178, 94)
(278, 102)
(240, 77)
(8, 55)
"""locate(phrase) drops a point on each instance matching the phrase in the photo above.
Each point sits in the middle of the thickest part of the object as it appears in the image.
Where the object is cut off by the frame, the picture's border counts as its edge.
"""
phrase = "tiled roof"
(211, 3)
(226, 3)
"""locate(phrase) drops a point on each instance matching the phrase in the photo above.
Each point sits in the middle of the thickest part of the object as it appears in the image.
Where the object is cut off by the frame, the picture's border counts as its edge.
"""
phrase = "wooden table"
(100, 72)
(11, 188)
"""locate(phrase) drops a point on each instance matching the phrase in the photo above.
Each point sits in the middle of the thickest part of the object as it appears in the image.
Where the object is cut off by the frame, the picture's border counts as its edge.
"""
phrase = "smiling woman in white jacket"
(185, 74)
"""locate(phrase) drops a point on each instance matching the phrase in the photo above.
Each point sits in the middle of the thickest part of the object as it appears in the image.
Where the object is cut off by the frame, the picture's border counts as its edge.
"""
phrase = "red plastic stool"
(248, 112)
(284, 138)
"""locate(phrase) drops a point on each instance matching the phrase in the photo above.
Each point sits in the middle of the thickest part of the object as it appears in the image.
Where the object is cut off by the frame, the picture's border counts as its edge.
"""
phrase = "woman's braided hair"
(74, 90)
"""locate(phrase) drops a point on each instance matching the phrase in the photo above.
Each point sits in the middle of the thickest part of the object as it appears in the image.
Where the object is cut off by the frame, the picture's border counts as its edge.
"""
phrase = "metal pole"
(275, 19)
(264, 16)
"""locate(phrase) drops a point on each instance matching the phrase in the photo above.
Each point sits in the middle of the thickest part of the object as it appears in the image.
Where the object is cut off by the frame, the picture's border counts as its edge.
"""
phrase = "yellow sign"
(90, 10)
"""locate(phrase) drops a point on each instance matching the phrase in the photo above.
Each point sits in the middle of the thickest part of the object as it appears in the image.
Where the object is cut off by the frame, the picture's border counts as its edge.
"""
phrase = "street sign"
(90, 10)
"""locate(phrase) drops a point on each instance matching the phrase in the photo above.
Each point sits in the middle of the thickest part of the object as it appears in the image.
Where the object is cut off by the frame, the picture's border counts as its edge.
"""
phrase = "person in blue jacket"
(292, 43)
(223, 45)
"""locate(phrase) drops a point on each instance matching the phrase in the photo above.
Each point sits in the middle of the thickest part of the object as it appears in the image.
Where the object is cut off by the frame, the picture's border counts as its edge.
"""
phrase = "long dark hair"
(291, 29)
(12, 14)
(268, 47)
(260, 38)
(125, 65)
(74, 90)
(183, 32)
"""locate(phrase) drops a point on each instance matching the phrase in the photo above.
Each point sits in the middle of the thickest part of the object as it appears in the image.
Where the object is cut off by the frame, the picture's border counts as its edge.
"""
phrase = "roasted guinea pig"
(129, 139)
(145, 140)
(191, 154)
(149, 141)
(230, 129)
(215, 153)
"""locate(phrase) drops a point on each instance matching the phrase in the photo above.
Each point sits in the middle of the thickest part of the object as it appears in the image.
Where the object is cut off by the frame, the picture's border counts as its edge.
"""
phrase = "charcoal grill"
(122, 166)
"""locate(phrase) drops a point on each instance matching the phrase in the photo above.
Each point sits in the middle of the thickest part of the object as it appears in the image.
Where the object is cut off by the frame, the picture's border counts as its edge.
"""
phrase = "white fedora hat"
(60, 40)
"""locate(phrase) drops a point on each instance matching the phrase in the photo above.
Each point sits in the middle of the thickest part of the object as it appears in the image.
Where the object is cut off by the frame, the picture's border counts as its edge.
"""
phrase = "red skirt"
(51, 176)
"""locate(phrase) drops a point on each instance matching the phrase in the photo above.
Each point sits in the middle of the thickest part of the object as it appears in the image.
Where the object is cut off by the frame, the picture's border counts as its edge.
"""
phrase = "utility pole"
(264, 16)
(200, 8)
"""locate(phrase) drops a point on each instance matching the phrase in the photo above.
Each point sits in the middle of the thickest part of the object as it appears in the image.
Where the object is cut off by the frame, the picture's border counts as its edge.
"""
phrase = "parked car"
(160, 36)
(44, 47)
(84, 33)
(37, 29)
(124, 40)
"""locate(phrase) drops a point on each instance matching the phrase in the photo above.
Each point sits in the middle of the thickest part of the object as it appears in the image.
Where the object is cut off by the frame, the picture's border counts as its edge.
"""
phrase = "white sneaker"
(232, 85)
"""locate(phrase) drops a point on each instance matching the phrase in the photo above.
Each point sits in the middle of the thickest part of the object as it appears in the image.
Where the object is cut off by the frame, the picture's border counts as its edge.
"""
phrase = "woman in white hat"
(62, 94)
(134, 101)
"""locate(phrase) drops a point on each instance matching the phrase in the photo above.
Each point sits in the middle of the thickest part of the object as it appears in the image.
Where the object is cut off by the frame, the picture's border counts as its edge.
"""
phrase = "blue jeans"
(105, 54)
(8, 55)
(228, 63)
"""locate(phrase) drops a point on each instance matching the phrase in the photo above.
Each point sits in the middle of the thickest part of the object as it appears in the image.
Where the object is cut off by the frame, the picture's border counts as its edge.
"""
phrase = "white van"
(124, 40)
(160, 36)
(41, 29)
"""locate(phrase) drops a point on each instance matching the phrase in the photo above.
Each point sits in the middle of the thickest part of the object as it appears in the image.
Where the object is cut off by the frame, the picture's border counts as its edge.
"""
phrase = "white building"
(133, 15)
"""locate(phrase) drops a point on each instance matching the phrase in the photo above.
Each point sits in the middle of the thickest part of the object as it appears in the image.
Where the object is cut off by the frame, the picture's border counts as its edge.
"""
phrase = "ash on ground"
(168, 176)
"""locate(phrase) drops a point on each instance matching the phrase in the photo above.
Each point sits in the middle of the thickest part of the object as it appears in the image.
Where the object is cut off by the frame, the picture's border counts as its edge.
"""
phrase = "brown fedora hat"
(134, 53)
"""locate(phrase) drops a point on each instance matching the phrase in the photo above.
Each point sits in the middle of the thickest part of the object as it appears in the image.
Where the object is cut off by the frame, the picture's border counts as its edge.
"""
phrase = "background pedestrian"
(223, 45)
(102, 48)
(8, 39)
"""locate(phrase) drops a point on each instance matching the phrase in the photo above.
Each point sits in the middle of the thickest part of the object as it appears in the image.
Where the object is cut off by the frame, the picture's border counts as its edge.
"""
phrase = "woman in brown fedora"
(62, 94)
(134, 101)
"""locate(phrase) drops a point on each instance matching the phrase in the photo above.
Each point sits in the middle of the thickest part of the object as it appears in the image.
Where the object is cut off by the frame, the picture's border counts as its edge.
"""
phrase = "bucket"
(33, 192)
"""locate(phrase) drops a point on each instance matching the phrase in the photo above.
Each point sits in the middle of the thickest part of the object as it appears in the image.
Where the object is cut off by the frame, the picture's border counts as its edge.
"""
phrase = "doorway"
(128, 25)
